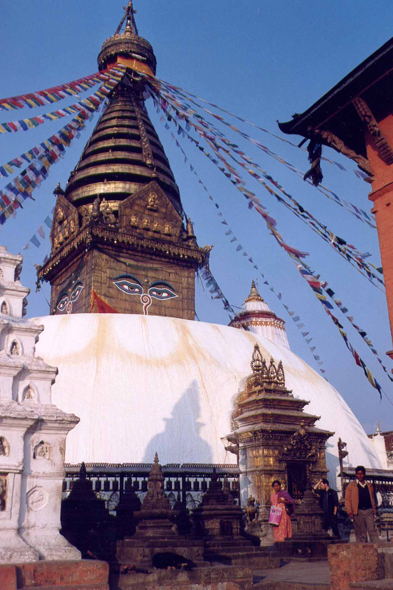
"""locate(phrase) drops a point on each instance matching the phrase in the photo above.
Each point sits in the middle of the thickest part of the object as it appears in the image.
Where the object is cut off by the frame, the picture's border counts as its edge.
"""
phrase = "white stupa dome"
(142, 384)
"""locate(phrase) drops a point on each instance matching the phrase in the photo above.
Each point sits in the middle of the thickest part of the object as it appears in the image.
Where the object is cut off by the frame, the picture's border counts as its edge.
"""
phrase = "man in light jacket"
(360, 506)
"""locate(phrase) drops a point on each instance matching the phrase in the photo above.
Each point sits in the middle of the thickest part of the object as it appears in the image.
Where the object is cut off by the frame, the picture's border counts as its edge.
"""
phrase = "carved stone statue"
(18, 271)
(134, 221)
(95, 211)
(60, 216)
(251, 509)
(107, 213)
(3, 493)
(42, 450)
(14, 350)
(152, 202)
(29, 393)
(168, 229)
(4, 447)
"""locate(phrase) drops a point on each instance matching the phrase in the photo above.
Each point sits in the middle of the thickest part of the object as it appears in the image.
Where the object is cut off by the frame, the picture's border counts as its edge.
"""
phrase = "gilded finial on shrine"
(156, 458)
(254, 294)
(257, 360)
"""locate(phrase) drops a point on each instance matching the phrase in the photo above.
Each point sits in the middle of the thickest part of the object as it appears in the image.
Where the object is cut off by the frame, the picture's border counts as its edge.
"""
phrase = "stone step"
(244, 559)
(73, 587)
(281, 585)
(55, 575)
(386, 584)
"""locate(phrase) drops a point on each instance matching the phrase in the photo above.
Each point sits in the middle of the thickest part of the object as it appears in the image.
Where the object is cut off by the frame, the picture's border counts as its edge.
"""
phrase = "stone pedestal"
(42, 482)
(310, 541)
(156, 531)
(14, 422)
(219, 521)
(85, 520)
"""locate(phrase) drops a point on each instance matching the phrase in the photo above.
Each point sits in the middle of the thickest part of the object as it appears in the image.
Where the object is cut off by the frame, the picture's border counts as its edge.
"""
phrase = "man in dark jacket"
(328, 499)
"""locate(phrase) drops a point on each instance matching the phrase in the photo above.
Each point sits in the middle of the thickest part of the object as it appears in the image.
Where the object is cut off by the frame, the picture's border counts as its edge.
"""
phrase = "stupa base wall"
(140, 552)
(62, 575)
(209, 578)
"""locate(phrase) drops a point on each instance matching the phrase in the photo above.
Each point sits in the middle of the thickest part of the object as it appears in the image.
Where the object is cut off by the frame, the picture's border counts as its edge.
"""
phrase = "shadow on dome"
(181, 442)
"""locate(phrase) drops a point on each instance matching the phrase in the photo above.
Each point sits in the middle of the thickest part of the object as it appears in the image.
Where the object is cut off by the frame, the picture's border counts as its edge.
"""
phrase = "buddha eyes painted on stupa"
(160, 290)
(128, 284)
(66, 300)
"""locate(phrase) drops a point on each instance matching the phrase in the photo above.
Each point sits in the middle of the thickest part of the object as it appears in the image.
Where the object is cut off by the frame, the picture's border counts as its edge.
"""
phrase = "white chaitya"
(32, 434)
(255, 316)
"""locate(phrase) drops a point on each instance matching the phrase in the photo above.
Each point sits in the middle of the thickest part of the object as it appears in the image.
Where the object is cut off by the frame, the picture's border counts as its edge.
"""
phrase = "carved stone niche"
(29, 394)
(4, 447)
(42, 450)
(3, 491)
(4, 308)
(15, 348)
(299, 447)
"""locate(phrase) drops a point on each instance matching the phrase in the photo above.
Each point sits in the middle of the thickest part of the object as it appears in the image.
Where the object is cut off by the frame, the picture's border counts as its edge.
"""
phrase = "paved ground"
(304, 572)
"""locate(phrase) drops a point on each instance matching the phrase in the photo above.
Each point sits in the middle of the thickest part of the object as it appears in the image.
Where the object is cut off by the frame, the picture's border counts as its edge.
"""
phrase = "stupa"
(122, 330)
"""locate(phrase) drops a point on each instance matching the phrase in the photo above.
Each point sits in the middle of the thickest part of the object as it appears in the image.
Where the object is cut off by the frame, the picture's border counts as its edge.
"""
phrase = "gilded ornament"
(134, 222)
(152, 202)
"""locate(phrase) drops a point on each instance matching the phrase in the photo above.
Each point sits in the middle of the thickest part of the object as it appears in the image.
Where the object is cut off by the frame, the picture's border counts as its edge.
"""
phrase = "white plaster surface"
(142, 384)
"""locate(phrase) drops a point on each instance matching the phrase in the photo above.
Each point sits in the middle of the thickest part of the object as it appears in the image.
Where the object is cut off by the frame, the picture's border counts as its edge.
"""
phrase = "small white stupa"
(256, 317)
(32, 434)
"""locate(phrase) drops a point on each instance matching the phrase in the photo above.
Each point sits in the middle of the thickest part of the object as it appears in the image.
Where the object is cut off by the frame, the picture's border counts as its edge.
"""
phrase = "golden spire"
(254, 294)
(131, 24)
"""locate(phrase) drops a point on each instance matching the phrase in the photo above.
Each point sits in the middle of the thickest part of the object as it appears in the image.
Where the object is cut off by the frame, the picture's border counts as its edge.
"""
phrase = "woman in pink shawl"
(281, 499)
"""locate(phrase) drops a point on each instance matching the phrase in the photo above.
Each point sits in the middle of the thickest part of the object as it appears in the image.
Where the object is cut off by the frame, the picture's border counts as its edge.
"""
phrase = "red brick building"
(356, 119)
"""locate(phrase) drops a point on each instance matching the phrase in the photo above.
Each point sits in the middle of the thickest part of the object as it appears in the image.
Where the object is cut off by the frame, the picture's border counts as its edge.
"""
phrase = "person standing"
(328, 499)
(281, 499)
(360, 506)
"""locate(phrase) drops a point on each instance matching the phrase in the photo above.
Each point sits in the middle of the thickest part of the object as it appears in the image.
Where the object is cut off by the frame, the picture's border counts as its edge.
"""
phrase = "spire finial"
(129, 15)
(378, 428)
(156, 458)
(254, 293)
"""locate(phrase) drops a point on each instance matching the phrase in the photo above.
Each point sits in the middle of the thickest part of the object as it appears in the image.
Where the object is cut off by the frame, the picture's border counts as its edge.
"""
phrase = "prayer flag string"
(189, 96)
(47, 153)
(348, 252)
(39, 235)
(51, 95)
(214, 289)
(89, 104)
(157, 87)
(239, 248)
(296, 255)
(33, 122)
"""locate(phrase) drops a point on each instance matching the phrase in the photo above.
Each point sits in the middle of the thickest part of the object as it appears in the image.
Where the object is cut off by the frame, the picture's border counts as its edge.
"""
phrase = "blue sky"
(263, 61)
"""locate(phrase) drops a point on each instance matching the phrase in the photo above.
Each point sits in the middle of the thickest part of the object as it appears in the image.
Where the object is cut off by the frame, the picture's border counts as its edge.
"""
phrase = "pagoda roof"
(372, 80)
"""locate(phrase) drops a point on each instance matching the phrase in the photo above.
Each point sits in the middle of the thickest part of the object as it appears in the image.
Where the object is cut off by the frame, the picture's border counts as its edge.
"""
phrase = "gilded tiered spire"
(119, 241)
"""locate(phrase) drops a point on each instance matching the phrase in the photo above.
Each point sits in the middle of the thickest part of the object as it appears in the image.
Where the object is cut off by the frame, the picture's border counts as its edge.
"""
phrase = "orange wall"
(382, 196)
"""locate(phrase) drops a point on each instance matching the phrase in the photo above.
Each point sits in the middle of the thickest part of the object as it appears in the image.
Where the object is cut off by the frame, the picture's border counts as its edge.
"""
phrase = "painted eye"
(128, 287)
(76, 292)
(161, 293)
(63, 303)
